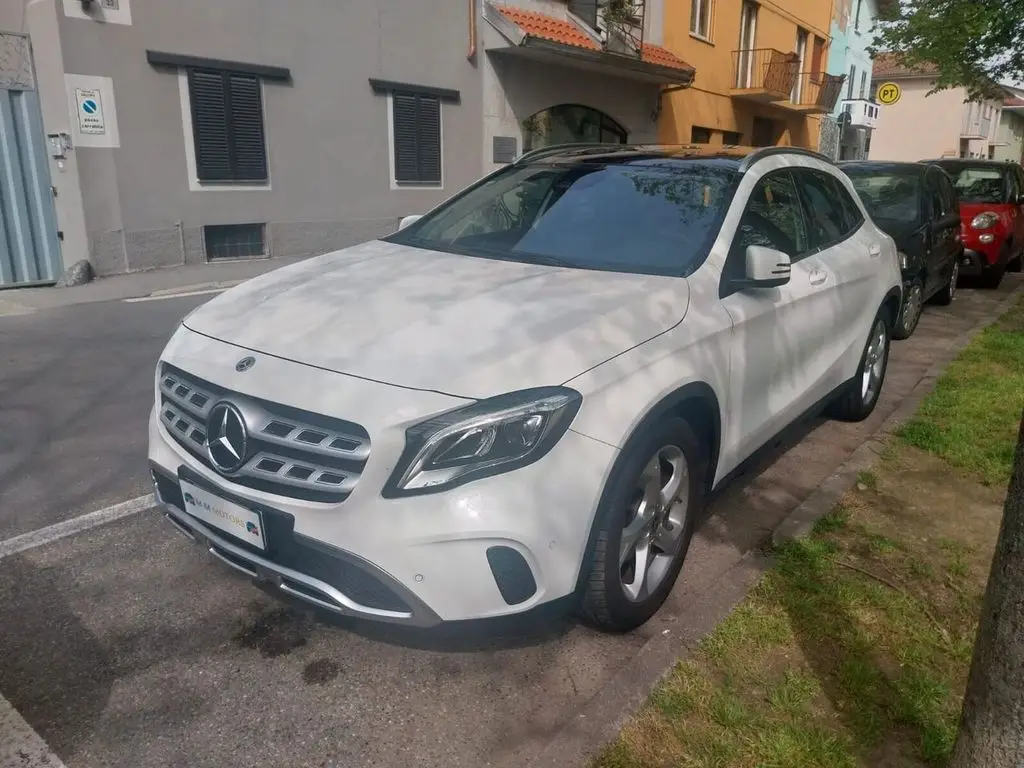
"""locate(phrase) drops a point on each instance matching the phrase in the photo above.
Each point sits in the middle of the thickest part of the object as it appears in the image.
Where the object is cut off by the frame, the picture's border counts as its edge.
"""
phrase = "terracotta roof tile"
(565, 32)
(539, 25)
(1013, 103)
(890, 65)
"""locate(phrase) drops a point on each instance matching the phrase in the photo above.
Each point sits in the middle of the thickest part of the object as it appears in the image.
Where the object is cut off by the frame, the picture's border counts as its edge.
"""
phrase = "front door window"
(569, 124)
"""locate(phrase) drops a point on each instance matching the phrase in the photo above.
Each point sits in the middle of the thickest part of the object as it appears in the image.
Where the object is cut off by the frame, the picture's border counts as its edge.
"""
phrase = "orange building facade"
(760, 72)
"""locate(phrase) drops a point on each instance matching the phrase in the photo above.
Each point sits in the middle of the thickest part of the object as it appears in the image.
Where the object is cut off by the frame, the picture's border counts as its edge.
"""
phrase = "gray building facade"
(191, 131)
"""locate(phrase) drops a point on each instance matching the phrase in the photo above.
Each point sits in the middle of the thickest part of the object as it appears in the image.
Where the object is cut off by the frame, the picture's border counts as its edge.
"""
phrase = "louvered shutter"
(417, 139)
(249, 153)
(210, 125)
(407, 166)
(429, 113)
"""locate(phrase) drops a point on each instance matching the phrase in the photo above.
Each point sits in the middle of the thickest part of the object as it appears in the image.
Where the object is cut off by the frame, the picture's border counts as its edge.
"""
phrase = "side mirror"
(766, 268)
(407, 220)
(1020, 199)
(946, 223)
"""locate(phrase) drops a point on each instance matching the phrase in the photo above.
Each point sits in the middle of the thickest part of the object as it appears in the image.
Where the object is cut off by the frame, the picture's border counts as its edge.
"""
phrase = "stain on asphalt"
(320, 672)
(275, 632)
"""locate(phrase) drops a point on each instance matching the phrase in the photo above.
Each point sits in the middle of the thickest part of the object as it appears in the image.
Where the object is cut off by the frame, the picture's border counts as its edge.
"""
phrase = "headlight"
(904, 261)
(984, 220)
(486, 438)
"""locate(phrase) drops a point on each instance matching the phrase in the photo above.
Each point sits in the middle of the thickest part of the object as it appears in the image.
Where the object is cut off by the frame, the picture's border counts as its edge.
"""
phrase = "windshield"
(977, 183)
(892, 196)
(655, 216)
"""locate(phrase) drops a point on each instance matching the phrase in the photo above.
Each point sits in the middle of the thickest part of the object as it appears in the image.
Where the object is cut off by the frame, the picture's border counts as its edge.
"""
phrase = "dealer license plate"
(232, 518)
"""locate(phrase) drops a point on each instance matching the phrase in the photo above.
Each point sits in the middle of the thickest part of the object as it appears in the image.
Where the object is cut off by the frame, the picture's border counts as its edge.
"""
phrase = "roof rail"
(763, 152)
(555, 149)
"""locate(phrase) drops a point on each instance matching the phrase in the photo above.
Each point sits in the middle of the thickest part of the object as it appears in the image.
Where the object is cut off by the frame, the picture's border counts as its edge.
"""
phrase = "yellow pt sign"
(889, 93)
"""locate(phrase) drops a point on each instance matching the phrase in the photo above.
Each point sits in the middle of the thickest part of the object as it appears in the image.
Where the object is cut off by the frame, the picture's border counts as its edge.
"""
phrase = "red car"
(991, 196)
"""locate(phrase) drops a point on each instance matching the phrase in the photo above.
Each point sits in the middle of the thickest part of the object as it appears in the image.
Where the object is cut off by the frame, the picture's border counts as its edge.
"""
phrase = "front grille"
(290, 452)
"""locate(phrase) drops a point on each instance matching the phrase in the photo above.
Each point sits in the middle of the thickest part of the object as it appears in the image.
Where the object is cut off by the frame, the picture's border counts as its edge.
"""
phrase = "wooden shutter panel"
(405, 115)
(429, 112)
(210, 125)
(249, 153)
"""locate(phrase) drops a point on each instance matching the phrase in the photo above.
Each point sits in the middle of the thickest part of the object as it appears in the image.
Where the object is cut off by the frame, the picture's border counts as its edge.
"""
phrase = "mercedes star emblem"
(226, 438)
(245, 364)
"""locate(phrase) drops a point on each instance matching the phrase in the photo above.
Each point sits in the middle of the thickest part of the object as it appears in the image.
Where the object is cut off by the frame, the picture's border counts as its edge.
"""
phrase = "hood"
(460, 325)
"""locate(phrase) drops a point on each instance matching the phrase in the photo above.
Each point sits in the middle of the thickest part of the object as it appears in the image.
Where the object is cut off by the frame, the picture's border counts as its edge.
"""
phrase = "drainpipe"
(471, 54)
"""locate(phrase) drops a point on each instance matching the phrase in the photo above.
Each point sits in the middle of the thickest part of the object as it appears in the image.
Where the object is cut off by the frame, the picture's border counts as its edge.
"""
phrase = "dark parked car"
(991, 196)
(917, 206)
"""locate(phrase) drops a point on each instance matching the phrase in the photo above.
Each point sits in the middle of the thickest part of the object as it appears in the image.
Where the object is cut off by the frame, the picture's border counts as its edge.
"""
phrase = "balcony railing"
(619, 23)
(764, 74)
(816, 92)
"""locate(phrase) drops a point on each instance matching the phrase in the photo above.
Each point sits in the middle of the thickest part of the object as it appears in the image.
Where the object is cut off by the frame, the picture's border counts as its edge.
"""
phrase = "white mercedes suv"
(527, 393)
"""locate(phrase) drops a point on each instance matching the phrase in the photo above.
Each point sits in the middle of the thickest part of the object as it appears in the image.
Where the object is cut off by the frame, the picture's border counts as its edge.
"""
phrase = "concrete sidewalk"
(193, 277)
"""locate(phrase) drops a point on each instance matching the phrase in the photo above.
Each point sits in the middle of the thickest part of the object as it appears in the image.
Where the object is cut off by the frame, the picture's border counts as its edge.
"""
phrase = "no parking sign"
(90, 111)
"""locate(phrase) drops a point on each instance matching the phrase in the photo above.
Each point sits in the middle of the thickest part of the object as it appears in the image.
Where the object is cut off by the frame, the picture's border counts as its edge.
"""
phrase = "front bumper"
(498, 546)
(975, 263)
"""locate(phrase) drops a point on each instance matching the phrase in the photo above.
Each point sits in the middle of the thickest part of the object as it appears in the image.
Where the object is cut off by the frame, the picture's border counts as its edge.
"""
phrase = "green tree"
(972, 43)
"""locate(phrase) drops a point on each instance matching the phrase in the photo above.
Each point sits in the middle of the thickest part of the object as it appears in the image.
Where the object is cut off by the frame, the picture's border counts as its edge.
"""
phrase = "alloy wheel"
(655, 521)
(912, 307)
(874, 363)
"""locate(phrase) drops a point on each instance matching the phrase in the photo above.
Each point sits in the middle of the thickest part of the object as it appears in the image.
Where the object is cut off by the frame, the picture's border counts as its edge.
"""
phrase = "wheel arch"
(697, 403)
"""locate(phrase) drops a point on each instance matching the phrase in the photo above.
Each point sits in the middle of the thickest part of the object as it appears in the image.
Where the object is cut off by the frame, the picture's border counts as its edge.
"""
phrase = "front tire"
(1016, 264)
(862, 394)
(645, 522)
(910, 312)
(945, 297)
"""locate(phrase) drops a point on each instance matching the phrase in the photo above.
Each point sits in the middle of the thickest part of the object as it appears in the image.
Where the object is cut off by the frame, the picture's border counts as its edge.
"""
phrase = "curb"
(801, 520)
(211, 286)
(598, 720)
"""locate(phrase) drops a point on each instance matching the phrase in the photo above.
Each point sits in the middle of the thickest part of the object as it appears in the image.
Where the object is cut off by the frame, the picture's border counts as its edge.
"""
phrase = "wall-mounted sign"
(90, 111)
(889, 93)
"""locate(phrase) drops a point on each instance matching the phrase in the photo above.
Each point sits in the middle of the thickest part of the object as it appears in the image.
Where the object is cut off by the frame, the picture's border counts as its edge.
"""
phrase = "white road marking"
(52, 533)
(164, 297)
(20, 746)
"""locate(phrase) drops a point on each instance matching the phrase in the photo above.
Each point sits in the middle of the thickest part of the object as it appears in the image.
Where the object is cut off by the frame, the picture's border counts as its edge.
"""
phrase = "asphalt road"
(125, 645)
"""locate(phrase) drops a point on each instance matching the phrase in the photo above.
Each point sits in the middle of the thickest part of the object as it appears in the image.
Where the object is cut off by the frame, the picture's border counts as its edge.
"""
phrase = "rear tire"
(862, 394)
(945, 297)
(910, 312)
(644, 525)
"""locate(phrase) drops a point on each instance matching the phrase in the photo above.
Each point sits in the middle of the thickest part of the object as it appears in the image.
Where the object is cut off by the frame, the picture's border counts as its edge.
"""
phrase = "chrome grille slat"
(280, 463)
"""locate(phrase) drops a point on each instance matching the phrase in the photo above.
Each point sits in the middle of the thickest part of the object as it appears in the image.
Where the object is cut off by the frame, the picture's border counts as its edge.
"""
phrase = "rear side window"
(853, 217)
(1014, 184)
(828, 219)
(934, 203)
(950, 203)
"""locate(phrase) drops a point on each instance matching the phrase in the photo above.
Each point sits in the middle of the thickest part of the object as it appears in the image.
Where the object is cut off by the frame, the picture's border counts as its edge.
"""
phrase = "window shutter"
(406, 135)
(429, 113)
(210, 125)
(247, 139)
(417, 140)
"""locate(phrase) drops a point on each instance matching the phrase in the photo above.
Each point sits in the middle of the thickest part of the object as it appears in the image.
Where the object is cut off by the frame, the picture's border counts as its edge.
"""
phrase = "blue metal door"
(29, 248)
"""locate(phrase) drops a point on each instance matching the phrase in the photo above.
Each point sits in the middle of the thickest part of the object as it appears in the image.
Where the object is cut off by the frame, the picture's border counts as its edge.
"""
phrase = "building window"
(732, 138)
(856, 17)
(416, 137)
(227, 125)
(568, 123)
(849, 85)
(700, 135)
(864, 85)
(700, 18)
(235, 241)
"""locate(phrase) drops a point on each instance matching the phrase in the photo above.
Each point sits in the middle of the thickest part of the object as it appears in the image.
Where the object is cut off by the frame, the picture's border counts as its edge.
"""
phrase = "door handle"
(874, 251)
(818, 277)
